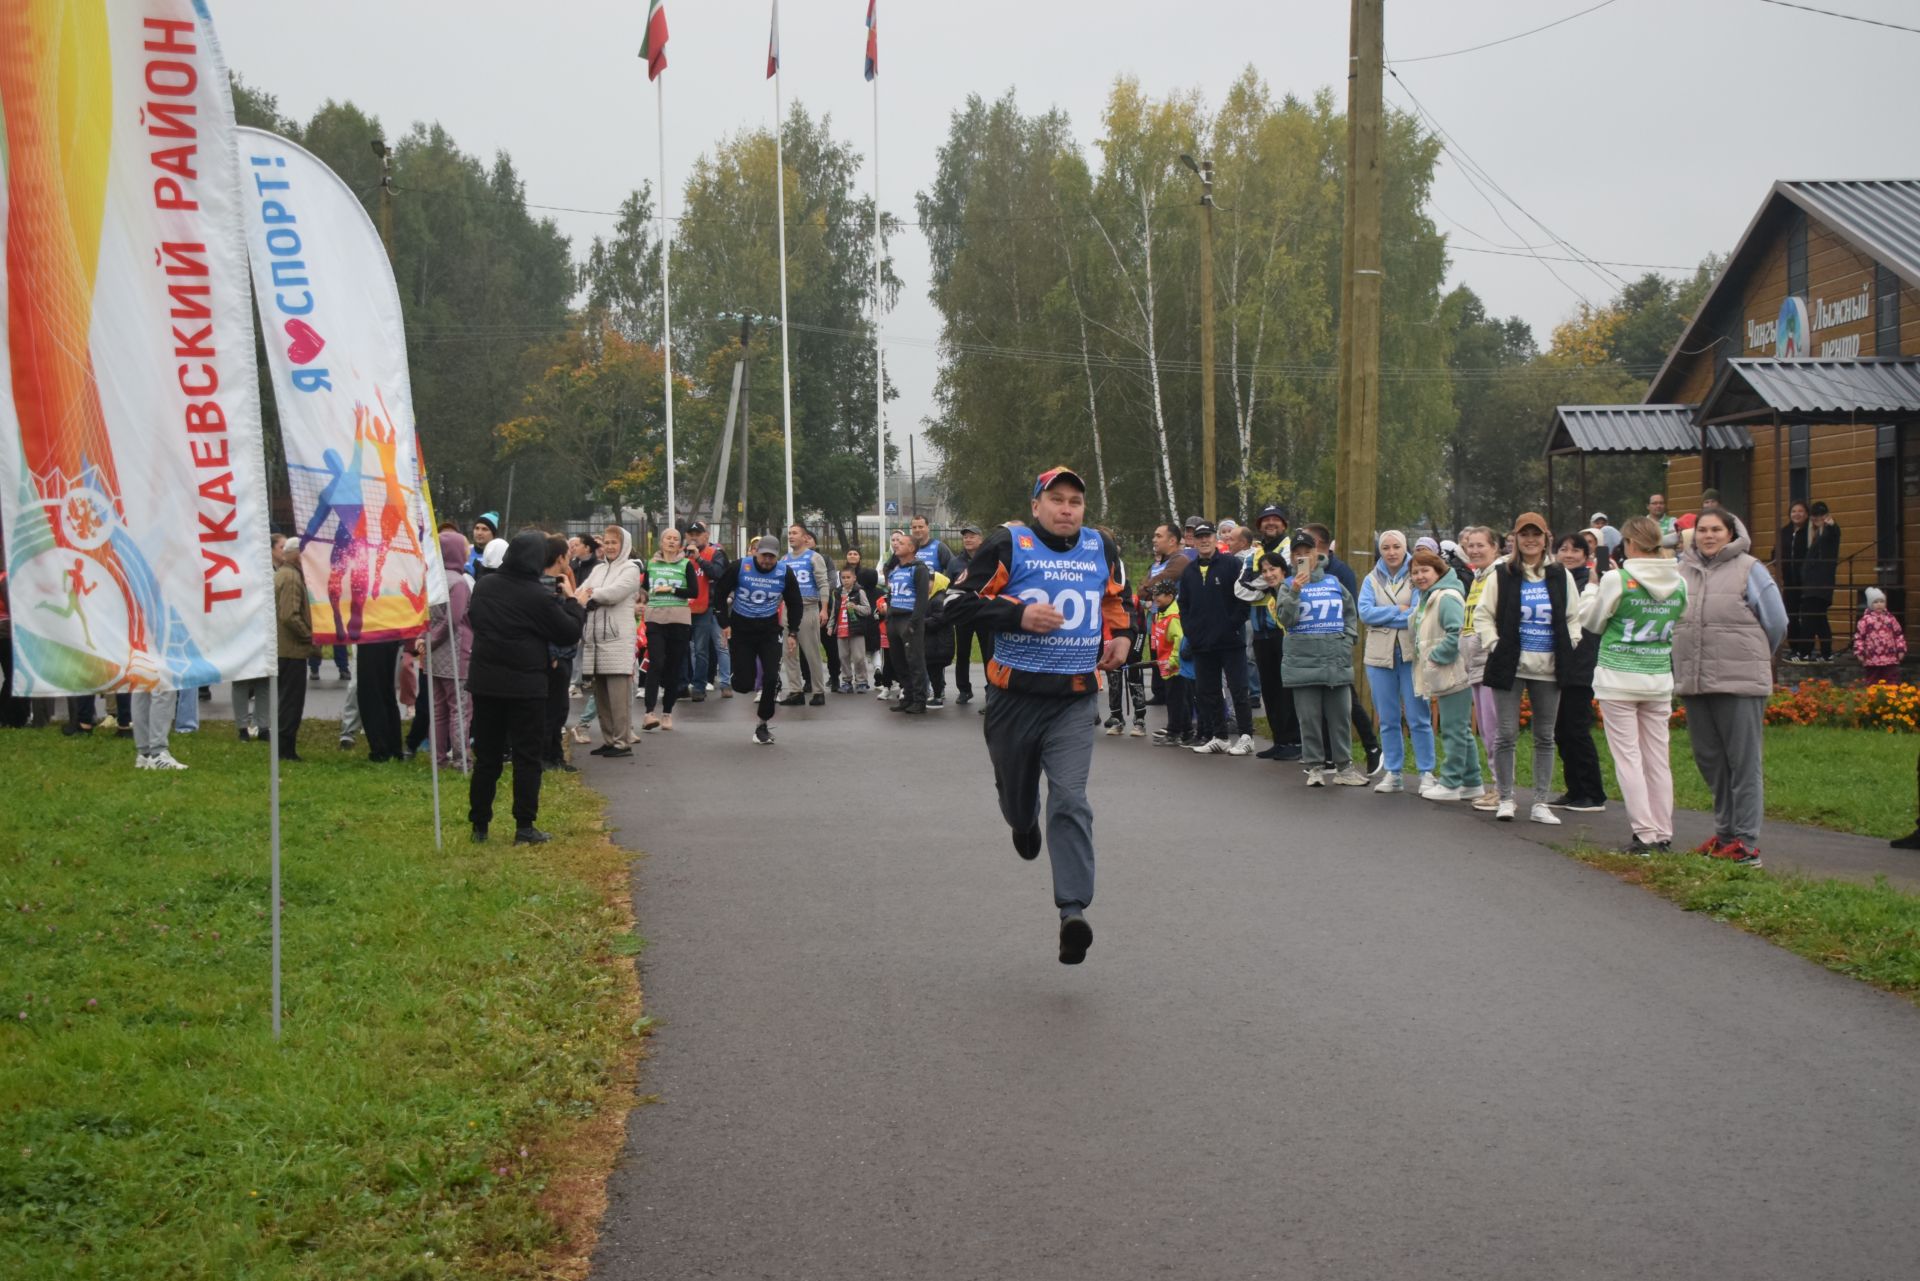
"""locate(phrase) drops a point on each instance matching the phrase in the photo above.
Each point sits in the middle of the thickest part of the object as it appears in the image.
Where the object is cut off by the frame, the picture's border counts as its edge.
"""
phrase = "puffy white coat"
(607, 642)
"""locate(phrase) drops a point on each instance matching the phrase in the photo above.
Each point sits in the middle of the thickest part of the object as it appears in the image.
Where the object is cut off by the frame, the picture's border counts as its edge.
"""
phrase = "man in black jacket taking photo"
(515, 616)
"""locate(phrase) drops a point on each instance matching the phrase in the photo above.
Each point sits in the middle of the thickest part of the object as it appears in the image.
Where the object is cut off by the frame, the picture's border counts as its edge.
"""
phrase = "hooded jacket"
(1626, 681)
(1734, 621)
(515, 617)
(449, 622)
(1386, 606)
(1315, 660)
(607, 640)
(1440, 659)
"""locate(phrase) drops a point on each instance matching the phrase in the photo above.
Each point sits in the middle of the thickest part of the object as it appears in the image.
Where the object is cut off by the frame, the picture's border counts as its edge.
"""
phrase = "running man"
(1052, 594)
(78, 589)
(748, 597)
(394, 518)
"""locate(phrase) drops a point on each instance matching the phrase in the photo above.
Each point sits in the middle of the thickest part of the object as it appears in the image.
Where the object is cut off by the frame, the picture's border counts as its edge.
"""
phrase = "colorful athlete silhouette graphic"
(393, 504)
(342, 499)
(78, 589)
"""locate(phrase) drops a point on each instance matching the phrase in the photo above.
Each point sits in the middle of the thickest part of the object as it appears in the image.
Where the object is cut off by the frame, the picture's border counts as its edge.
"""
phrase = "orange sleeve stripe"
(998, 581)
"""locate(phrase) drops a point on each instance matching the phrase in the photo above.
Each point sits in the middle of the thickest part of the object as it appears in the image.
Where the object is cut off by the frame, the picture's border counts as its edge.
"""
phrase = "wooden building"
(1800, 380)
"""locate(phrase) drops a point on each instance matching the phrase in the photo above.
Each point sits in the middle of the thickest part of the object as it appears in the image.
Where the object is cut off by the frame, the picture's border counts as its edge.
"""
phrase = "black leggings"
(379, 705)
(667, 645)
(753, 649)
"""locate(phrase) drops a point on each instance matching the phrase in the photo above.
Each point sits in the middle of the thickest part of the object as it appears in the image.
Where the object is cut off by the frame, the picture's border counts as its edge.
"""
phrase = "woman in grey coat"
(607, 642)
(1723, 671)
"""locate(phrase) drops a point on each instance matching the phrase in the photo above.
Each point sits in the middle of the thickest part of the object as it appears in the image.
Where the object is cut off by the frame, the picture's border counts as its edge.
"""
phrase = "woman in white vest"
(1632, 618)
(1387, 600)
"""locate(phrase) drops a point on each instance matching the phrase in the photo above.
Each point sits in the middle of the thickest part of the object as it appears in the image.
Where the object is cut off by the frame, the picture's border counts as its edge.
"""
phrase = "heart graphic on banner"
(306, 343)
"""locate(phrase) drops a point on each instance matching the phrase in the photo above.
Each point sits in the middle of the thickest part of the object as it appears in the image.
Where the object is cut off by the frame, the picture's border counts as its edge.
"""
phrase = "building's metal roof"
(1636, 429)
(1883, 218)
(1816, 390)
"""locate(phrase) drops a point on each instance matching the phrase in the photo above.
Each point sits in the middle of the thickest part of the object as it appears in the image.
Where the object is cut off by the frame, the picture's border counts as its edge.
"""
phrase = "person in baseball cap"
(1053, 591)
(747, 597)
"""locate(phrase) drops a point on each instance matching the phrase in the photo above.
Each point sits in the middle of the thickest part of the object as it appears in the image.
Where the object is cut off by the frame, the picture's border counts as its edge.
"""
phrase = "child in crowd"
(849, 610)
(1440, 675)
(1176, 670)
(1322, 625)
(1879, 640)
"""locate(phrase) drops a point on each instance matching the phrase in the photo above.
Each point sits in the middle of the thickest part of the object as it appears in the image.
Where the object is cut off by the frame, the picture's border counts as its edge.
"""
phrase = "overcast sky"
(1645, 132)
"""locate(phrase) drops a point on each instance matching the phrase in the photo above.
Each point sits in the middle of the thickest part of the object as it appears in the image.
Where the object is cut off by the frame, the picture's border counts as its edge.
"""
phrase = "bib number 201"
(1075, 607)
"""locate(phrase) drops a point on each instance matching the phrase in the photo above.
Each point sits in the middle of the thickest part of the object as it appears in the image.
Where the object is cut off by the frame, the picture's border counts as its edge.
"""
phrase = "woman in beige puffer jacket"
(607, 642)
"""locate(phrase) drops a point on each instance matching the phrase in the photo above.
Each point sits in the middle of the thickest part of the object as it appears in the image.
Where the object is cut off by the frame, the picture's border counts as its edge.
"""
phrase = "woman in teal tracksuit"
(1440, 675)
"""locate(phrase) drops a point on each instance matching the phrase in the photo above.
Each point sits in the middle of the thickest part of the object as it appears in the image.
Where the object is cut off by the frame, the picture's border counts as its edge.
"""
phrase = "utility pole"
(386, 195)
(1357, 459)
(913, 481)
(1208, 458)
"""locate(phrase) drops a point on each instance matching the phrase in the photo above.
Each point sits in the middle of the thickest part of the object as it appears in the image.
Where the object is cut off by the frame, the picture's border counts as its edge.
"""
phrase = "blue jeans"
(705, 650)
(1393, 697)
(186, 714)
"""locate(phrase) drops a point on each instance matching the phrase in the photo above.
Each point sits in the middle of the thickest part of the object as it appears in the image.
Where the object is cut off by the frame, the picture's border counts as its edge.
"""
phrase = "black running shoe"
(763, 734)
(479, 829)
(617, 753)
(1373, 761)
(1911, 841)
(530, 836)
(818, 700)
(1076, 936)
(1027, 844)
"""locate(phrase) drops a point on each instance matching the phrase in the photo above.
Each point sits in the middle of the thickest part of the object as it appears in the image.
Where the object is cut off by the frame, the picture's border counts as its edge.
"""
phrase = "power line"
(1849, 17)
(1454, 53)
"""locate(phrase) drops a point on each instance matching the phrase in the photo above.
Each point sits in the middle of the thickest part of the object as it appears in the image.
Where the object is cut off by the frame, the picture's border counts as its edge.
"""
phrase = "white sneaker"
(884, 694)
(165, 761)
(1473, 793)
(1391, 783)
(1242, 746)
(1505, 811)
(1316, 778)
(1212, 747)
(1352, 776)
(1428, 780)
(1544, 814)
(1440, 793)
(1139, 730)
(143, 762)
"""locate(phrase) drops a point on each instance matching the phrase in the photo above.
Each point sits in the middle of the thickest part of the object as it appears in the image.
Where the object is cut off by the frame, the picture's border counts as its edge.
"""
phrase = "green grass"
(455, 1021)
(1871, 932)
(1844, 780)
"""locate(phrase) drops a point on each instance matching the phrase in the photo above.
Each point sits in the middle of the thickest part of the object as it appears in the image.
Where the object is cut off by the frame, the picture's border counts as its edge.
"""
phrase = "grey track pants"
(1326, 724)
(153, 720)
(1027, 736)
(1544, 697)
(1725, 730)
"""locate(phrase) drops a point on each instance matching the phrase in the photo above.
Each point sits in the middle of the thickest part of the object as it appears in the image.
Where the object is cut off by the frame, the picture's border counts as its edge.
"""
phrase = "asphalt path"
(1320, 1034)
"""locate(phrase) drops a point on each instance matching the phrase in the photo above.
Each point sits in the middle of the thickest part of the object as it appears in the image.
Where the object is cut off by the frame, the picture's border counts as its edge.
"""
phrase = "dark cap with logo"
(766, 544)
(1272, 509)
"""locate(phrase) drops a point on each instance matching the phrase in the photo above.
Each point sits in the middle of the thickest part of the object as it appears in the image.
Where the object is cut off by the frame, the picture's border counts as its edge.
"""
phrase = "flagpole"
(433, 728)
(666, 292)
(780, 203)
(273, 795)
(879, 353)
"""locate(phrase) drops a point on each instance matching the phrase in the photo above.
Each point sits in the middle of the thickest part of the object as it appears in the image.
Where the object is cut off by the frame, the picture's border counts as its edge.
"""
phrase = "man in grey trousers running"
(1053, 594)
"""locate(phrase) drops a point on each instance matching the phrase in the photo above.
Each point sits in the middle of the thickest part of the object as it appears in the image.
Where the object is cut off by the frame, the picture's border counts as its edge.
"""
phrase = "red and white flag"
(773, 44)
(654, 47)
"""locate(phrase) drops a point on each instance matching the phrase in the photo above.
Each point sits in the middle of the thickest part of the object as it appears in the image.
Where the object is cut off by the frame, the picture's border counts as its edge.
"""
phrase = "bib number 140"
(1075, 607)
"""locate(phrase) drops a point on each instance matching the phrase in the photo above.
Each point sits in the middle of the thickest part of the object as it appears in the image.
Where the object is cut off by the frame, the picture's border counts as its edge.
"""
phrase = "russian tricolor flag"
(873, 41)
(773, 43)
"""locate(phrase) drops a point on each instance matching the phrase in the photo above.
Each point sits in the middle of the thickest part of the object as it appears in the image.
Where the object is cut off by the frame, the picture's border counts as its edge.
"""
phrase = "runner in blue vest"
(748, 598)
(1052, 593)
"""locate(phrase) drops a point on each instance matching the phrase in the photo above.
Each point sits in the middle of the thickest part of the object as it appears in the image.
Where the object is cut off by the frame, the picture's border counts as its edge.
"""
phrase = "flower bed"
(1892, 709)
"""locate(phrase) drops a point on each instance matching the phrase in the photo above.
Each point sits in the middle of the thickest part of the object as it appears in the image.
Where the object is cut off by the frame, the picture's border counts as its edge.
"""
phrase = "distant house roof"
(1881, 218)
(1816, 390)
(1636, 429)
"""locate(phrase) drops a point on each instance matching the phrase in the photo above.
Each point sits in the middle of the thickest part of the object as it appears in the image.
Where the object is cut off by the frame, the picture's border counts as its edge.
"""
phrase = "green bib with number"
(664, 578)
(1639, 636)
